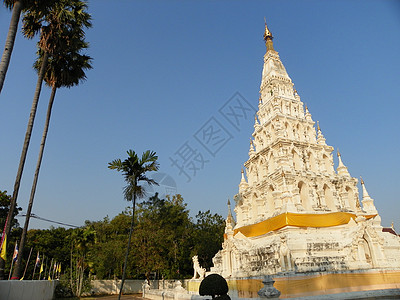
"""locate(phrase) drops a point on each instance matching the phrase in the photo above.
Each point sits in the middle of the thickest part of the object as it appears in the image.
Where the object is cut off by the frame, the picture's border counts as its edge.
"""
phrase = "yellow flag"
(49, 278)
(4, 247)
(41, 269)
(22, 278)
(59, 268)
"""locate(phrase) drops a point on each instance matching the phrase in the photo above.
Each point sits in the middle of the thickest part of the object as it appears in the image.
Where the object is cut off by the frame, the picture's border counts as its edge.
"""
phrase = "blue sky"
(162, 69)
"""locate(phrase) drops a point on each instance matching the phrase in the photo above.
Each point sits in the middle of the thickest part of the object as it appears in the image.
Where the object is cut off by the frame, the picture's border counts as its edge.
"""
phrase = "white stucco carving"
(198, 270)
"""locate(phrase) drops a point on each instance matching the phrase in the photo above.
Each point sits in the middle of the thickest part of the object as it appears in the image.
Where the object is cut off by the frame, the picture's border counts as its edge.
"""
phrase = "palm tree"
(81, 240)
(61, 25)
(134, 170)
(63, 70)
(17, 6)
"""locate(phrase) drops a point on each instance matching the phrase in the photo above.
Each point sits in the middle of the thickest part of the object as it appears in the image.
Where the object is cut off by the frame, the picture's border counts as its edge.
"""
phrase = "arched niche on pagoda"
(312, 162)
(351, 196)
(254, 206)
(263, 166)
(304, 195)
(327, 164)
(271, 161)
(329, 198)
(270, 201)
(297, 164)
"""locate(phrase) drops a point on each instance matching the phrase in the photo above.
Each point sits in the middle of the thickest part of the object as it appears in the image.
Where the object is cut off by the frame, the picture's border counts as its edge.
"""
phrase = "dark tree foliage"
(208, 237)
(5, 201)
(163, 237)
(53, 243)
(163, 243)
(109, 251)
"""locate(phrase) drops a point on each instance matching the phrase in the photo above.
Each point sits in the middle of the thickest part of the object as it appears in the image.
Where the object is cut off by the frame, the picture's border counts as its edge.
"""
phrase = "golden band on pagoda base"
(298, 220)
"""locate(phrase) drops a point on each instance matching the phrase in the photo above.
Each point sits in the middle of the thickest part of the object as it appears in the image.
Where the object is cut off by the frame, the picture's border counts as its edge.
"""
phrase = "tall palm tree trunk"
(12, 31)
(25, 146)
(16, 272)
(129, 246)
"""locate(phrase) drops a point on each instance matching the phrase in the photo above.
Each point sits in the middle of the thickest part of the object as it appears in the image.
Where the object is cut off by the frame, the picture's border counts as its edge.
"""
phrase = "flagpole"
(34, 268)
(12, 260)
(50, 268)
(45, 269)
(26, 267)
(54, 268)
(12, 263)
(41, 269)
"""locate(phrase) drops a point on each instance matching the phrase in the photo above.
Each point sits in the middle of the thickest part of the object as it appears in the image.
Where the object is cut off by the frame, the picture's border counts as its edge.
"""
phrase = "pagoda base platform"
(361, 284)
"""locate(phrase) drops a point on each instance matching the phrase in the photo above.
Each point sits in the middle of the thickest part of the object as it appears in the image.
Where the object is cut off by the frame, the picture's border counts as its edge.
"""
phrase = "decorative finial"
(362, 181)
(267, 32)
(242, 171)
(392, 225)
(268, 38)
(229, 202)
(338, 153)
(319, 129)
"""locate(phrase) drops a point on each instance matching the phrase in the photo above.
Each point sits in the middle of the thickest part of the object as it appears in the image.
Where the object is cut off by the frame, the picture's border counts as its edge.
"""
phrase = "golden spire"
(338, 153)
(268, 37)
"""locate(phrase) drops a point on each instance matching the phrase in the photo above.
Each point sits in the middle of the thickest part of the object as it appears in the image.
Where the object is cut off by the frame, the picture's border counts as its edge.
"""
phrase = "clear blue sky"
(162, 69)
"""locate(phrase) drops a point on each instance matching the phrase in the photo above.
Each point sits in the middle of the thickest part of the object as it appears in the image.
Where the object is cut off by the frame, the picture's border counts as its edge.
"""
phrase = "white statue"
(198, 270)
(284, 255)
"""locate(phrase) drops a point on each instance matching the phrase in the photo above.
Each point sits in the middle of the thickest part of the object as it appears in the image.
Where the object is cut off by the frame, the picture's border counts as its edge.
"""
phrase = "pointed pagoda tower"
(295, 212)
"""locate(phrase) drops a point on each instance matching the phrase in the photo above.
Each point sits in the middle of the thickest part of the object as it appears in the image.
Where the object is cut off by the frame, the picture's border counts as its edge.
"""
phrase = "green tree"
(108, 252)
(52, 243)
(61, 40)
(208, 237)
(134, 170)
(81, 241)
(163, 237)
(5, 202)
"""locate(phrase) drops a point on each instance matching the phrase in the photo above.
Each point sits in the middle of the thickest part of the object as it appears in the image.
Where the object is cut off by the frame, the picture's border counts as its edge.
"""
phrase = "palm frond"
(134, 171)
(116, 164)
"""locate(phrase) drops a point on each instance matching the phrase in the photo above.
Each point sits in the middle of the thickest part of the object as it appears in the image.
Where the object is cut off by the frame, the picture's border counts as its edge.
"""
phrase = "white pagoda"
(295, 212)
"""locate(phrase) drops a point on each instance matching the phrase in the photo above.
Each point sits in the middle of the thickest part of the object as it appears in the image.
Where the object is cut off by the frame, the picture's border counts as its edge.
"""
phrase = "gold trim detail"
(297, 220)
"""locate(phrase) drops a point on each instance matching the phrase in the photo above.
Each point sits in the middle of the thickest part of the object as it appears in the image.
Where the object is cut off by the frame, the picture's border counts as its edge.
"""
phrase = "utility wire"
(47, 220)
